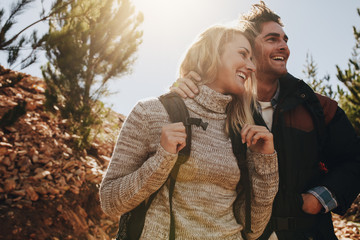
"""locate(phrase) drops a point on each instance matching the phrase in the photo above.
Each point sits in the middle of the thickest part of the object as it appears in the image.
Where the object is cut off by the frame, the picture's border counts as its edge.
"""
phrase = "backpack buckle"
(196, 121)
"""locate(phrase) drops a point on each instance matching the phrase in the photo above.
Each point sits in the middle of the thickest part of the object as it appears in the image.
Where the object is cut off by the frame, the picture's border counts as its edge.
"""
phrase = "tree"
(14, 43)
(89, 43)
(322, 85)
(350, 77)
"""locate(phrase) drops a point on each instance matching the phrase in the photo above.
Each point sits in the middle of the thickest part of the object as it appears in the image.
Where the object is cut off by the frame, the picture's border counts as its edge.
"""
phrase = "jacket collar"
(292, 92)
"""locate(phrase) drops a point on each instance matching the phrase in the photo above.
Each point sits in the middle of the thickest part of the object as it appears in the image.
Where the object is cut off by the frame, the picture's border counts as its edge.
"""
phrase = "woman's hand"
(185, 86)
(257, 138)
(173, 137)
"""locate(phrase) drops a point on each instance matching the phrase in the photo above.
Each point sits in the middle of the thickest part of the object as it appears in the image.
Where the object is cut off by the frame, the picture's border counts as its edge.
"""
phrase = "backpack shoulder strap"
(178, 112)
(239, 150)
(132, 223)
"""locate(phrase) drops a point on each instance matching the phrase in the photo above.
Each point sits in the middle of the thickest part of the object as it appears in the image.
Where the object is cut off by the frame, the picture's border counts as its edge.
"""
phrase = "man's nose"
(283, 45)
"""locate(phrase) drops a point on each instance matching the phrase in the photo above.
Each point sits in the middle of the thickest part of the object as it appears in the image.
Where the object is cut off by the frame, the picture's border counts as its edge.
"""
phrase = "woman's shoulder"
(149, 108)
(148, 104)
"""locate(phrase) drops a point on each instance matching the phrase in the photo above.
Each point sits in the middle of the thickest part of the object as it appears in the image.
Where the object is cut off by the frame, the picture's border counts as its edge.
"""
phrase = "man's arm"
(311, 204)
(342, 154)
(341, 151)
(318, 199)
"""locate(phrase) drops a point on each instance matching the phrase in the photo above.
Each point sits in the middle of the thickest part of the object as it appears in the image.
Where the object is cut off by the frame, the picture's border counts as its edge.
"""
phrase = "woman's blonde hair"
(204, 58)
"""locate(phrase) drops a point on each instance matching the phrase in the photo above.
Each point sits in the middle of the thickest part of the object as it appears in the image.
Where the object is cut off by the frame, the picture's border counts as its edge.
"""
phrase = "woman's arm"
(133, 174)
(263, 174)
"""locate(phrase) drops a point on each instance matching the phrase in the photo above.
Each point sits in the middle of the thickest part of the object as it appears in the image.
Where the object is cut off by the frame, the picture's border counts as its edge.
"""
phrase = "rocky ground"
(47, 189)
(50, 191)
(348, 226)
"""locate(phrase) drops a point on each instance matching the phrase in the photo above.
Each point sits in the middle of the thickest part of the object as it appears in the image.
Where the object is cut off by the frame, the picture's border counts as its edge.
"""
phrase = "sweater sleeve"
(134, 172)
(264, 175)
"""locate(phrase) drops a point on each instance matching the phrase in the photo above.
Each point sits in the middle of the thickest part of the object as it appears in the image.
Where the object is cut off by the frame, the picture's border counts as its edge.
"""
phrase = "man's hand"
(311, 204)
(185, 86)
(257, 138)
(173, 137)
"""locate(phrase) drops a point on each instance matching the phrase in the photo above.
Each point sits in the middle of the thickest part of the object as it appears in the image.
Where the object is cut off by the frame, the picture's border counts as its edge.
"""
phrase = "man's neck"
(266, 88)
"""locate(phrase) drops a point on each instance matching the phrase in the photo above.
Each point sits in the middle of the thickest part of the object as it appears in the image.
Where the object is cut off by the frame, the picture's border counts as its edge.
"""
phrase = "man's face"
(271, 51)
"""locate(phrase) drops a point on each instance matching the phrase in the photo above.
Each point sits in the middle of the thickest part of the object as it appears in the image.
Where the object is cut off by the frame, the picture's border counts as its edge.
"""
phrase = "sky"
(322, 28)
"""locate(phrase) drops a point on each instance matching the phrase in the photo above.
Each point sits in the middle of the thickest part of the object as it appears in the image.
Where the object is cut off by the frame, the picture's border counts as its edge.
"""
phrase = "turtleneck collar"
(212, 102)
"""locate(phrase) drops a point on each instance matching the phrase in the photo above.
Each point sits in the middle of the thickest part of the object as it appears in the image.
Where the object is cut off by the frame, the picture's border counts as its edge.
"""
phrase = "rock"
(9, 185)
(48, 221)
(42, 174)
(5, 145)
(3, 150)
(24, 163)
(41, 190)
(21, 192)
(31, 193)
(6, 161)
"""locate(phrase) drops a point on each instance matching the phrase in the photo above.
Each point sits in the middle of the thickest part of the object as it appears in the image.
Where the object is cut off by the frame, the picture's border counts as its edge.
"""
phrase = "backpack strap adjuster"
(196, 121)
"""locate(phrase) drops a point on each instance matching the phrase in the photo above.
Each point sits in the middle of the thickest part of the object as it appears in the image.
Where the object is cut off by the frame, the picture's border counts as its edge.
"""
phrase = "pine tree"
(322, 85)
(14, 43)
(89, 43)
(350, 77)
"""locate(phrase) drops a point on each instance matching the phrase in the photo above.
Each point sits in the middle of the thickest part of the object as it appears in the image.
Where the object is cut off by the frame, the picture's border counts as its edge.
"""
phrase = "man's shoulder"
(329, 106)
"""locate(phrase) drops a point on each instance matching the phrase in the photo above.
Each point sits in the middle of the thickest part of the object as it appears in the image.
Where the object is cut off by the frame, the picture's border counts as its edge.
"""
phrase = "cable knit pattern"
(205, 188)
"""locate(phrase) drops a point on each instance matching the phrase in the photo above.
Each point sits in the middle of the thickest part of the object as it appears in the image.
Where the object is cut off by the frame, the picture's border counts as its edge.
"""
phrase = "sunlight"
(175, 17)
(171, 26)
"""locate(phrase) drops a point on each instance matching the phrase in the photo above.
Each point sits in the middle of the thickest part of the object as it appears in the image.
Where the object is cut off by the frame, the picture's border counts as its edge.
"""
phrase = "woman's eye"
(243, 54)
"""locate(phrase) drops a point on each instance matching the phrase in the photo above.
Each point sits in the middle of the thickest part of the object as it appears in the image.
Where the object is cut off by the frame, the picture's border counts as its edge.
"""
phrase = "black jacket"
(298, 143)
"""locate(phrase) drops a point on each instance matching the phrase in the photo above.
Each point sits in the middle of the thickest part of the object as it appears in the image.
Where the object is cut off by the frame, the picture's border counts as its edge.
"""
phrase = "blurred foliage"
(89, 42)
(321, 85)
(349, 99)
(350, 77)
(14, 43)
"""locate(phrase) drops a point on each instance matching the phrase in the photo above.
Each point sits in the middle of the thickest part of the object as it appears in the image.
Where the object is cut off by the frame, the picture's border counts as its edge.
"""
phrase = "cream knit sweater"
(205, 188)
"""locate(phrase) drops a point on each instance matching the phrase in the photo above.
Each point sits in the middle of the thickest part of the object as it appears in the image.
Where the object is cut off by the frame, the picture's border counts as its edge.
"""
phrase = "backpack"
(131, 223)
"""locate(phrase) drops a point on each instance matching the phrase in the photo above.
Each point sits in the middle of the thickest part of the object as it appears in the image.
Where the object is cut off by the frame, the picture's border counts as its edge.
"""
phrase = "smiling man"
(318, 150)
(306, 132)
(271, 56)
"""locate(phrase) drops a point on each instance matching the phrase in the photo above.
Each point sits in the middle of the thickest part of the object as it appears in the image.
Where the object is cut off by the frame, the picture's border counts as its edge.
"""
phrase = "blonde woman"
(207, 184)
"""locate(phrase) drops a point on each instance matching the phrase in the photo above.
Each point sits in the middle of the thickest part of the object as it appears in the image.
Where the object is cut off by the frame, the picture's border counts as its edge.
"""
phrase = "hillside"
(47, 189)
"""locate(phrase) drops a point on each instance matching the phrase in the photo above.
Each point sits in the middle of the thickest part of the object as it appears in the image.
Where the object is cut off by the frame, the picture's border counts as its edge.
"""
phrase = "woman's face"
(235, 66)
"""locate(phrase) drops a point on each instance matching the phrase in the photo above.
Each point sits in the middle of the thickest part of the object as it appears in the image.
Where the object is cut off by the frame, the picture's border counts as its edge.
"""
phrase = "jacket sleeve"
(342, 158)
(134, 172)
(264, 175)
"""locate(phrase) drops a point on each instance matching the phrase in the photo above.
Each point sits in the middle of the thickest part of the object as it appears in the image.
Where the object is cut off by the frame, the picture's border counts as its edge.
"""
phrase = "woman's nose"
(251, 66)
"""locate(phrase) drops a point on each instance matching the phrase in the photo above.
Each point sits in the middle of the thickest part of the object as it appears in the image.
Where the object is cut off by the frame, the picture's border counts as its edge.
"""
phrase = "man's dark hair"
(260, 14)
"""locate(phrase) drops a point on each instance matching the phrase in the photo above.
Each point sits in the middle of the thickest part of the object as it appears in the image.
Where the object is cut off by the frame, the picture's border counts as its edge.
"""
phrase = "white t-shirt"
(267, 113)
